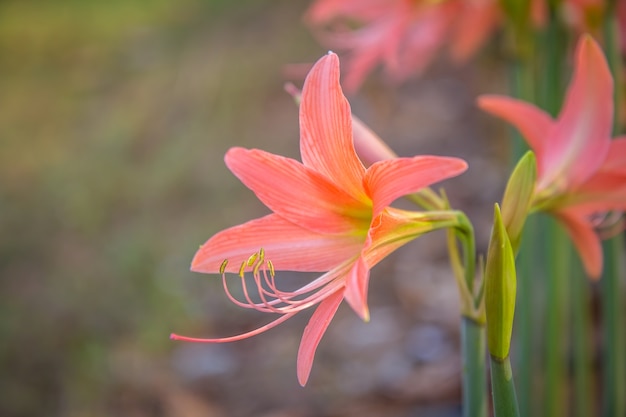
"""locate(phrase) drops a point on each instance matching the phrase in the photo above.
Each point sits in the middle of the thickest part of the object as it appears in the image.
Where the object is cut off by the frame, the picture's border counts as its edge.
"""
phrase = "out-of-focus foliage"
(114, 118)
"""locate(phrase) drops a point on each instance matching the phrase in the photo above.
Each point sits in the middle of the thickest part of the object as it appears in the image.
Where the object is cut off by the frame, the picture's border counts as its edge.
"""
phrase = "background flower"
(403, 36)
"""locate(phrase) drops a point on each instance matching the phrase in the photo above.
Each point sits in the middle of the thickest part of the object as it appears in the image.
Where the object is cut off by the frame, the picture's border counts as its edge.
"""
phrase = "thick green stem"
(614, 384)
(557, 318)
(503, 388)
(558, 261)
(473, 347)
(528, 272)
(613, 311)
(582, 338)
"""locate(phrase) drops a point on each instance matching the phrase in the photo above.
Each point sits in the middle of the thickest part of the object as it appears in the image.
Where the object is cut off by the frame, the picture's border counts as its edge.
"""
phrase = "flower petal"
(313, 333)
(615, 162)
(580, 141)
(423, 38)
(476, 23)
(326, 128)
(288, 246)
(387, 180)
(606, 189)
(324, 11)
(532, 122)
(296, 192)
(585, 240)
(356, 288)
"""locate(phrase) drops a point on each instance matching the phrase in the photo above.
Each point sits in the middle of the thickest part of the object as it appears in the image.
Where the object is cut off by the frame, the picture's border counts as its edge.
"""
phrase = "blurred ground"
(114, 119)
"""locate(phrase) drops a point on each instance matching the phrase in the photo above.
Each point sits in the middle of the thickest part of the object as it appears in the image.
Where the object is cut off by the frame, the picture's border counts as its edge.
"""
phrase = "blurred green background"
(114, 119)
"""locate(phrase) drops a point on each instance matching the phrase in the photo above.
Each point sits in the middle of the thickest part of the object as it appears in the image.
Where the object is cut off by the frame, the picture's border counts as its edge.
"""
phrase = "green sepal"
(500, 288)
(518, 196)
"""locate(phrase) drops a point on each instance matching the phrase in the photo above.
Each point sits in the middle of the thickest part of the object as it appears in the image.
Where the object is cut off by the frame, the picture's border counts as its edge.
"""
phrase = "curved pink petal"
(313, 333)
(396, 24)
(603, 192)
(296, 192)
(608, 183)
(532, 122)
(580, 141)
(356, 288)
(585, 240)
(326, 128)
(424, 37)
(615, 161)
(360, 62)
(388, 180)
(478, 21)
(287, 245)
(323, 11)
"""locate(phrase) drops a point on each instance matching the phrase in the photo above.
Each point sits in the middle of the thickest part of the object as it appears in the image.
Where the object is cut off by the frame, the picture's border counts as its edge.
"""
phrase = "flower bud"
(518, 196)
(500, 288)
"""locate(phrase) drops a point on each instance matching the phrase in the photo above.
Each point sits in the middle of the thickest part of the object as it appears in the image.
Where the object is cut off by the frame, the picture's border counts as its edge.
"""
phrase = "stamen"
(257, 268)
(271, 298)
(609, 224)
(223, 266)
(252, 259)
(255, 332)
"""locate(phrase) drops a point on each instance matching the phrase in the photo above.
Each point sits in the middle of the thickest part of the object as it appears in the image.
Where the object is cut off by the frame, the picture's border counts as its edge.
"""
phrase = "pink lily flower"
(402, 35)
(330, 214)
(581, 172)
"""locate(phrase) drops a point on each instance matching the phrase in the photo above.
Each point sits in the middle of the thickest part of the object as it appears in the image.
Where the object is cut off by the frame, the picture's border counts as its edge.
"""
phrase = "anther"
(252, 259)
(223, 266)
(270, 265)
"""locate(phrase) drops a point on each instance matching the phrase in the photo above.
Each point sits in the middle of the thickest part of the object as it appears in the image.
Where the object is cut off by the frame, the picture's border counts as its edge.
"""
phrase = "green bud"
(518, 196)
(500, 287)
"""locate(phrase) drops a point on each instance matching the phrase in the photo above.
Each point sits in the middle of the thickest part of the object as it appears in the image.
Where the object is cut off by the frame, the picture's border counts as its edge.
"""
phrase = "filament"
(274, 300)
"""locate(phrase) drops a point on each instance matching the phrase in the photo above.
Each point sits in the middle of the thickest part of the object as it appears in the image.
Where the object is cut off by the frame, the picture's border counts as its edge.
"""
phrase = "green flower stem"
(473, 346)
(557, 319)
(613, 311)
(559, 258)
(614, 384)
(503, 388)
(473, 332)
(526, 307)
(582, 337)
(464, 269)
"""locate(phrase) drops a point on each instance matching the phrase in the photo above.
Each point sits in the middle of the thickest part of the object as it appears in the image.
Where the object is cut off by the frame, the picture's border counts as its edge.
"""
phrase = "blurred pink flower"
(402, 35)
(581, 171)
(330, 214)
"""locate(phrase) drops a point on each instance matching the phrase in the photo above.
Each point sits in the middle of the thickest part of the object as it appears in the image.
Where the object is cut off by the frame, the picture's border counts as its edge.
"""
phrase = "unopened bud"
(518, 196)
(500, 289)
